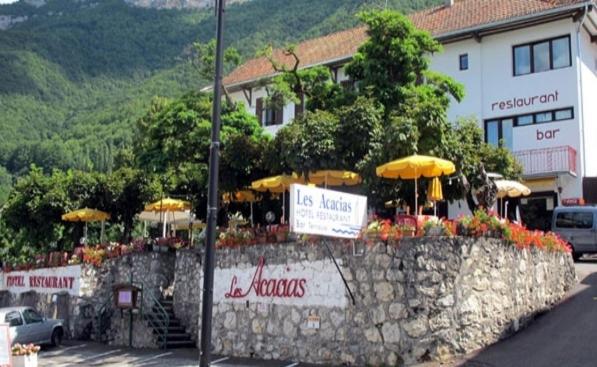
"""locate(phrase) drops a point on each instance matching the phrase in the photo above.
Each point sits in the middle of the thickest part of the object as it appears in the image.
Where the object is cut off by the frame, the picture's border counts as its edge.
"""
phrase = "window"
(31, 316)
(577, 220)
(268, 116)
(542, 56)
(545, 116)
(13, 319)
(499, 132)
(463, 62)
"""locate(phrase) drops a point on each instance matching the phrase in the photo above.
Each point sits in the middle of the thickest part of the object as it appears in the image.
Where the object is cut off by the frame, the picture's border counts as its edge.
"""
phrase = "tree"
(173, 142)
(204, 60)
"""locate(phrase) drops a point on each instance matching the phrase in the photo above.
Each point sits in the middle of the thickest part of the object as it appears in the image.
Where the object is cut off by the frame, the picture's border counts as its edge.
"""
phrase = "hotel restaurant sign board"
(326, 212)
(47, 280)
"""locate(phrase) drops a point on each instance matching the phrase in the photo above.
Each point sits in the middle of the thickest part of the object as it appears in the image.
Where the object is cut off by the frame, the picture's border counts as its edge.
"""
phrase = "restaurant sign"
(326, 212)
(308, 283)
(47, 280)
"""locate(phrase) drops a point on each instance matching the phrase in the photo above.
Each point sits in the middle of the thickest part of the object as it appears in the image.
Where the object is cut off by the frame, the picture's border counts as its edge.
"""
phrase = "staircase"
(170, 332)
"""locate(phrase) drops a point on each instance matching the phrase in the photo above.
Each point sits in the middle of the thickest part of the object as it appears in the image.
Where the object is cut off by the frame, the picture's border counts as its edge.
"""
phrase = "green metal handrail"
(156, 315)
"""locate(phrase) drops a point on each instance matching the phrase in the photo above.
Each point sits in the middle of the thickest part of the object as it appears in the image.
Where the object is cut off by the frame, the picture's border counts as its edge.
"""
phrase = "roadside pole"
(212, 196)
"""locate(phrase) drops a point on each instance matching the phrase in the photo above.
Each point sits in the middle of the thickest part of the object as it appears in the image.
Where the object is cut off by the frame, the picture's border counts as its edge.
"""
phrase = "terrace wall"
(426, 299)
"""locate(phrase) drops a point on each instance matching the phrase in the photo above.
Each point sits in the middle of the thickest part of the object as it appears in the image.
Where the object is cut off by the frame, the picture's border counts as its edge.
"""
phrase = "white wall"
(589, 91)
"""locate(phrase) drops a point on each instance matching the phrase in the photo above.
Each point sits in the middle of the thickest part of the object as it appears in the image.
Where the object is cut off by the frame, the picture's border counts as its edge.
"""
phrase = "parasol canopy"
(334, 178)
(512, 189)
(168, 205)
(86, 215)
(243, 196)
(435, 193)
(415, 166)
(276, 184)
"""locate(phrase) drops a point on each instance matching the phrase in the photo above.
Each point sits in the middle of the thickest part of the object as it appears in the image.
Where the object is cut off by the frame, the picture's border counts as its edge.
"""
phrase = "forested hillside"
(75, 75)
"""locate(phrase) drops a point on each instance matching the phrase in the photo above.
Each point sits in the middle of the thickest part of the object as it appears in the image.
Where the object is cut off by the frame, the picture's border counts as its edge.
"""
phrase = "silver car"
(27, 326)
(578, 226)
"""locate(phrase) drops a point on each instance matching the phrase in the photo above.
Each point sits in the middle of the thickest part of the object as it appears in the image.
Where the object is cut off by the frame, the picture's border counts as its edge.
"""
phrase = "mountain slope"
(75, 75)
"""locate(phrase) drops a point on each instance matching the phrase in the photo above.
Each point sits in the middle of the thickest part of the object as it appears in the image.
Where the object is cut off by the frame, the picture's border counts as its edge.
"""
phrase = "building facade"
(529, 68)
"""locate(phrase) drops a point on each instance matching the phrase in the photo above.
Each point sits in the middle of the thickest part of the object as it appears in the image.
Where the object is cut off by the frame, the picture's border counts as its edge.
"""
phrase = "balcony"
(547, 162)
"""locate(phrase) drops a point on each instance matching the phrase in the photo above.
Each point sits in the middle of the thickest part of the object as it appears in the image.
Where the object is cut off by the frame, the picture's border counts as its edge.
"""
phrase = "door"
(35, 326)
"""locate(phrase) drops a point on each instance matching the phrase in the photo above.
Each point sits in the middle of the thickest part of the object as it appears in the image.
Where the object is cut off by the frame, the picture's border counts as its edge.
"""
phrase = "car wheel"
(57, 335)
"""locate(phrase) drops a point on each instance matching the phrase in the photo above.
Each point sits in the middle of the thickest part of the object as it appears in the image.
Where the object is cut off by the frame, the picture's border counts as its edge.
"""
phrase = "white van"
(578, 226)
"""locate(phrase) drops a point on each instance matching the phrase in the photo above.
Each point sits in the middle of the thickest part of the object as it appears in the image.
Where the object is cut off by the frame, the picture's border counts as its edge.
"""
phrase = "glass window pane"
(493, 136)
(583, 220)
(541, 57)
(464, 62)
(524, 120)
(565, 220)
(522, 60)
(564, 114)
(507, 139)
(561, 52)
(543, 117)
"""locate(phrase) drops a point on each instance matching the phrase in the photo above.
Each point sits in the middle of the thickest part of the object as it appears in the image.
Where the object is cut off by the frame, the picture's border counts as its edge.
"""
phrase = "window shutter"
(298, 109)
(279, 116)
(259, 110)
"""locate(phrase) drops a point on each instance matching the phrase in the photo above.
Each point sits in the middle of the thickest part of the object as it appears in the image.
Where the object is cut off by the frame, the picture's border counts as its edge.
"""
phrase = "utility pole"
(212, 196)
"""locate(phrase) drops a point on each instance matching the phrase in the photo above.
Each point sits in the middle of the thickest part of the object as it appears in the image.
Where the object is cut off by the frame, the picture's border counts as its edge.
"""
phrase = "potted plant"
(24, 355)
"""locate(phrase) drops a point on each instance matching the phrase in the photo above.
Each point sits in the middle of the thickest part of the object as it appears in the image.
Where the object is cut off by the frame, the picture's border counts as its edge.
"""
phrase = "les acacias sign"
(326, 212)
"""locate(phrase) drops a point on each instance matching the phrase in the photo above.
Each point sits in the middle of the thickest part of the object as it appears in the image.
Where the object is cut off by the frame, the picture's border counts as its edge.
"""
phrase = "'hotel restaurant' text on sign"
(47, 280)
(326, 212)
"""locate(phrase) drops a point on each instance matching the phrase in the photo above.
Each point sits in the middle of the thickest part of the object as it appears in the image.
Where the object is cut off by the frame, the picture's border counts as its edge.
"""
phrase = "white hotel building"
(529, 68)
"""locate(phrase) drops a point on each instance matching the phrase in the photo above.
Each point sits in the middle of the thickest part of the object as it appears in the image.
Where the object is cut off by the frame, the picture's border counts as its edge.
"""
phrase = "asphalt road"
(563, 337)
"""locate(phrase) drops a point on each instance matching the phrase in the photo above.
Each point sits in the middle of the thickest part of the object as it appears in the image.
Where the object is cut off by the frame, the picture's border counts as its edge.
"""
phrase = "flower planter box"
(25, 361)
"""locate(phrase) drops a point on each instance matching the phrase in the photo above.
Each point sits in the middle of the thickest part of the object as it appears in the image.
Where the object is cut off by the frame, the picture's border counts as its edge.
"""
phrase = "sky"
(7, 1)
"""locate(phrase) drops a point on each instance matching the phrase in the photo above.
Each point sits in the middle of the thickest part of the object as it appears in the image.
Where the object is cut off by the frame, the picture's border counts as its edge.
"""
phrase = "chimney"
(449, 2)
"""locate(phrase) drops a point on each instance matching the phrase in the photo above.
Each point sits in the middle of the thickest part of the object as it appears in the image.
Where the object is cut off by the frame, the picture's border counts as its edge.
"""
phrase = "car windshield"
(13, 318)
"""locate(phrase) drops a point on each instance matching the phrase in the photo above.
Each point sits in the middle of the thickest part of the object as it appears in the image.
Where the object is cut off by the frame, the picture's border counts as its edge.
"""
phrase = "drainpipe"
(581, 114)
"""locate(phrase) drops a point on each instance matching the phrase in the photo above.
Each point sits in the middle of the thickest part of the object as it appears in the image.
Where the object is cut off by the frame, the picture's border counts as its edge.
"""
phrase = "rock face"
(178, 4)
(7, 21)
(423, 299)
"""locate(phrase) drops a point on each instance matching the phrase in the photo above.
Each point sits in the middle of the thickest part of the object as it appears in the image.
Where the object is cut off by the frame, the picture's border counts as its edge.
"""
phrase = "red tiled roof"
(440, 20)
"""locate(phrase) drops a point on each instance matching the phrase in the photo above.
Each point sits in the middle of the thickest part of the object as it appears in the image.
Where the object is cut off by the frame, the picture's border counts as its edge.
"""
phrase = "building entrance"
(536, 210)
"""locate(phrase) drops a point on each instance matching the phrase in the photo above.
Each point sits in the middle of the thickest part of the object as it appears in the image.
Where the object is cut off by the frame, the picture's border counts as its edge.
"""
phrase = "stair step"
(181, 344)
(175, 337)
(172, 330)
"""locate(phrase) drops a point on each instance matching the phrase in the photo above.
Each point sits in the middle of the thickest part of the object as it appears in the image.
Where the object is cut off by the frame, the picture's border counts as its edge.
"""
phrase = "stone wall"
(154, 271)
(424, 299)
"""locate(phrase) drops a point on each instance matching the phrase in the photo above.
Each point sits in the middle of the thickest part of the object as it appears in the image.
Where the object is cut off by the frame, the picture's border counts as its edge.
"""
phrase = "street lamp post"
(212, 196)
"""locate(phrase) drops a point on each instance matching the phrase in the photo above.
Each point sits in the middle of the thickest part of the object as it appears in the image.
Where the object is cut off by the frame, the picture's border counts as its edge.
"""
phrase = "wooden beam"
(593, 39)
(477, 37)
(248, 92)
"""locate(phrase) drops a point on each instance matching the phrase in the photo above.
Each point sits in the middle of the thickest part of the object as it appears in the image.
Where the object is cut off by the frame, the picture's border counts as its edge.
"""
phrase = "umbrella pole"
(252, 224)
(164, 225)
(416, 195)
(283, 205)
(434, 208)
(144, 228)
(102, 231)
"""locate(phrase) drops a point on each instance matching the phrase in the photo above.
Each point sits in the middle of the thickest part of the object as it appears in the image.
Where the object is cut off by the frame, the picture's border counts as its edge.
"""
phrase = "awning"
(542, 184)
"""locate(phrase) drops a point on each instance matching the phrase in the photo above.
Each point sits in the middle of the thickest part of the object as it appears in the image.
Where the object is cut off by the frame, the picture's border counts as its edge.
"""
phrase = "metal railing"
(547, 161)
(156, 315)
(103, 317)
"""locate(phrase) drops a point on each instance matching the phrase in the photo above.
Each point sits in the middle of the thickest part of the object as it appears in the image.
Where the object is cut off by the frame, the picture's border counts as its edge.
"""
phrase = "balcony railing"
(548, 161)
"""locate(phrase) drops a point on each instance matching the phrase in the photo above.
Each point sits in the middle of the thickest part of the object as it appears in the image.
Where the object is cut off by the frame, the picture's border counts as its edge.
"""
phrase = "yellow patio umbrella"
(334, 178)
(512, 189)
(277, 184)
(415, 166)
(87, 215)
(242, 196)
(167, 205)
(435, 193)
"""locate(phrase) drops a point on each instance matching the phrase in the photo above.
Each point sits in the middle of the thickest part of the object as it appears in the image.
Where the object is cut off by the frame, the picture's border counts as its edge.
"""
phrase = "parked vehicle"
(27, 326)
(578, 226)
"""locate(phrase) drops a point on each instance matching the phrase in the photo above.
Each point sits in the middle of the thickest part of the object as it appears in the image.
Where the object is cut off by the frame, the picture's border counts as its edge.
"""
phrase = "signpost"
(326, 212)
